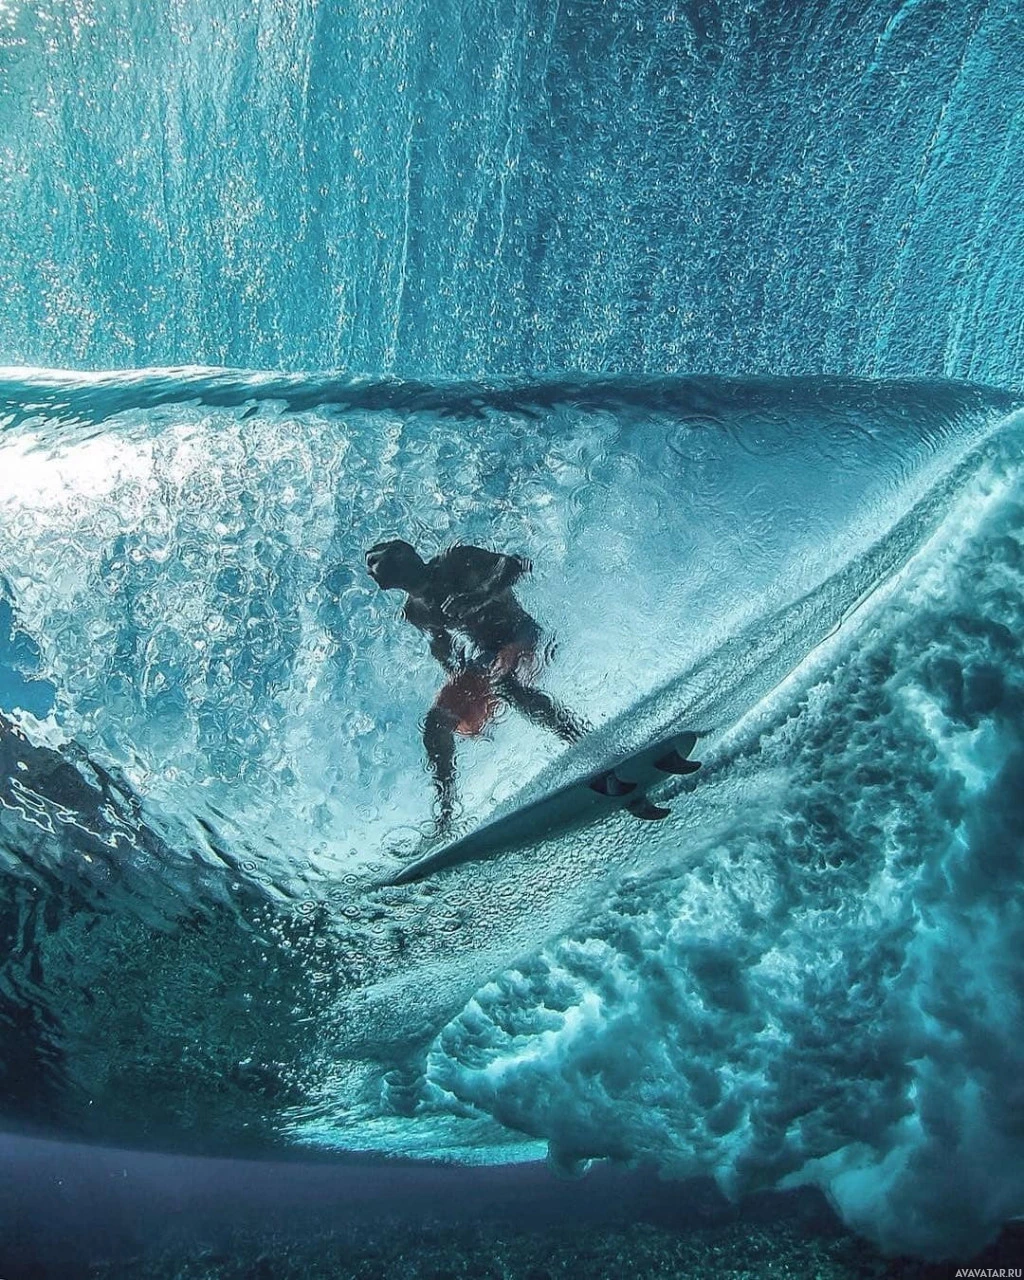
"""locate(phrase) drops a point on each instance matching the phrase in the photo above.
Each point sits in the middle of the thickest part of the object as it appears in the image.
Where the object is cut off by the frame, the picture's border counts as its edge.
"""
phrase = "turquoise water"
(713, 312)
(506, 188)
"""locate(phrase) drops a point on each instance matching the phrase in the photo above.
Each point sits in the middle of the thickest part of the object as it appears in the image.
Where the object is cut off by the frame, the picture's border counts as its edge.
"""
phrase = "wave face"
(446, 189)
(210, 723)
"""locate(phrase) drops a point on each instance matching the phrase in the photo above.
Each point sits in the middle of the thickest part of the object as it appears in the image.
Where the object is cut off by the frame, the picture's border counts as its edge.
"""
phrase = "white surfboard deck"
(622, 784)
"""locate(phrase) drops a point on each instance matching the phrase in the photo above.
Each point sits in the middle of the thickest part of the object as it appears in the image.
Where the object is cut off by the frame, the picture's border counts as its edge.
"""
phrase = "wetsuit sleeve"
(488, 574)
(442, 646)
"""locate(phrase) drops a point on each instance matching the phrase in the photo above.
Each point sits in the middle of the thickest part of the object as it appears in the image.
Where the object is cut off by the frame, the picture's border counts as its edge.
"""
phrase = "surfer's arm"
(442, 647)
(495, 575)
(507, 572)
(516, 567)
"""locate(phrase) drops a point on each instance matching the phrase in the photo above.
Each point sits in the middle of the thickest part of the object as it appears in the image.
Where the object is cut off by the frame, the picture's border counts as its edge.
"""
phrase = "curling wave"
(211, 719)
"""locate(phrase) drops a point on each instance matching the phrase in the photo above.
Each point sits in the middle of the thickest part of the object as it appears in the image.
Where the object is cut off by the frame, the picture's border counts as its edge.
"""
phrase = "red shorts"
(470, 697)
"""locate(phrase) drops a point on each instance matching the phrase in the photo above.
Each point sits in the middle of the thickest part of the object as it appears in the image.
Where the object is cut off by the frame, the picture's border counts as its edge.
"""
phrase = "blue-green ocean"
(710, 309)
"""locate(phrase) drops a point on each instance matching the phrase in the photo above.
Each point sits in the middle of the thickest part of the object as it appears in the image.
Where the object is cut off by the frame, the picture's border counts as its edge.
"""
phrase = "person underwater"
(467, 592)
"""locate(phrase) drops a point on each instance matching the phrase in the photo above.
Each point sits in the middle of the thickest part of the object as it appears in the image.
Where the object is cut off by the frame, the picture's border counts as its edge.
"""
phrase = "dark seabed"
(68, 1212)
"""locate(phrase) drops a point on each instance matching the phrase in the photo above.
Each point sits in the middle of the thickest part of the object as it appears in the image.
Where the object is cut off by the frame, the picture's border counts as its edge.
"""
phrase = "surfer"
(467, 592)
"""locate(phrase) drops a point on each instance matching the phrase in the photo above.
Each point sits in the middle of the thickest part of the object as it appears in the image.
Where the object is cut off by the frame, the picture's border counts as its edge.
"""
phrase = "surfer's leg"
(540, 708)
(439, 740)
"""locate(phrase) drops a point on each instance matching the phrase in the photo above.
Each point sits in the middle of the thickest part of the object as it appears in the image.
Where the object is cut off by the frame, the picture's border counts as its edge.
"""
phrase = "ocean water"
(713, 311)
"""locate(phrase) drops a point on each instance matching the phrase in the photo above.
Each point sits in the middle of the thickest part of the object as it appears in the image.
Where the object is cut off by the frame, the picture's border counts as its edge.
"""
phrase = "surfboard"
(622, 784)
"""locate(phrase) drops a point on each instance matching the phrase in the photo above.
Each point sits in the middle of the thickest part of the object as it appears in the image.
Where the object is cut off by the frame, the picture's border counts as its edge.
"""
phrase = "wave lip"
(27, 393)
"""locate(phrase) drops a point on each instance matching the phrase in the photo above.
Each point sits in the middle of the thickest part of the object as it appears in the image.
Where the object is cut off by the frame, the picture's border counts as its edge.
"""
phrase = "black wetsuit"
(468, 591)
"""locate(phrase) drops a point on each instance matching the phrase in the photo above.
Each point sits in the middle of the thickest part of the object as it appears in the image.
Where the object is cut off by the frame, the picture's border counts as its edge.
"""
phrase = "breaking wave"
(210, 720)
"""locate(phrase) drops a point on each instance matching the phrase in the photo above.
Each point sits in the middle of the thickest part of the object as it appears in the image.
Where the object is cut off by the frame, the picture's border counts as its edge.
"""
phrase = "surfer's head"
(395, 564)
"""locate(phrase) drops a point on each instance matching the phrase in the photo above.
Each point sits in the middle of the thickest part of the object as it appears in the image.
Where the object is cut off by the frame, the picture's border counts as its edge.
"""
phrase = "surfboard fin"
(610, 784)
(673, 762)
(641, 807)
